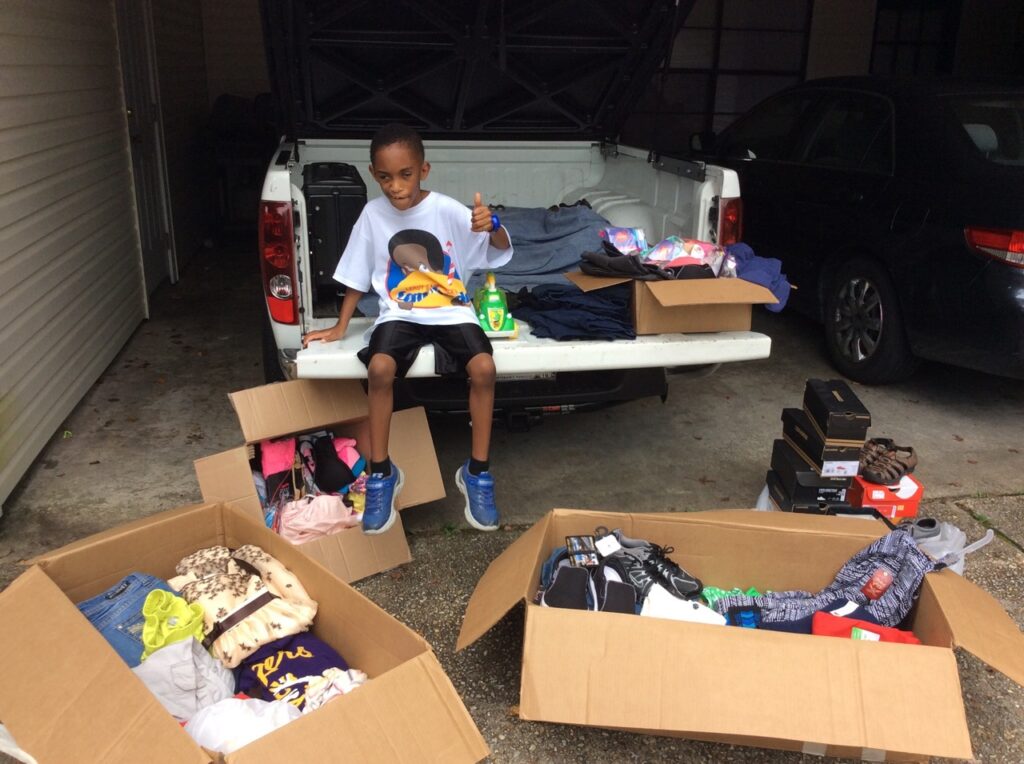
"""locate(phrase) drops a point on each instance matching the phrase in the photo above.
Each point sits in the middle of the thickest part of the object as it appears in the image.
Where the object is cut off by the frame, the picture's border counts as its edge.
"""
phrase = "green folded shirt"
(169, 619)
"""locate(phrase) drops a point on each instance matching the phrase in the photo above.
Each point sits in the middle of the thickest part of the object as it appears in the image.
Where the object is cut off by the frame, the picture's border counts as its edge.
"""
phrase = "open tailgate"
(528, 354)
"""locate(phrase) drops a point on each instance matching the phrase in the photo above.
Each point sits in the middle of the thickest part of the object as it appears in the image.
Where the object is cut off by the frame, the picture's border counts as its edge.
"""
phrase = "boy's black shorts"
(454, 345)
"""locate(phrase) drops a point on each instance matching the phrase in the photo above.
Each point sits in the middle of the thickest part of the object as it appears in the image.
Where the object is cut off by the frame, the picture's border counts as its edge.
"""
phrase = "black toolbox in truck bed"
(335, 195)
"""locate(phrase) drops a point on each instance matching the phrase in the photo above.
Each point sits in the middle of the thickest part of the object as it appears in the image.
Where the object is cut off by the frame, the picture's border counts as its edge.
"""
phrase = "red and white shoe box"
(894, 501)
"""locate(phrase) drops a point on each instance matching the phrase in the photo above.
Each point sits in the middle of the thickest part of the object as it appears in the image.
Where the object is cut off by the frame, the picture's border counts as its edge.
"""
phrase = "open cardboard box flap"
(840, 714)
(283, 408)
(72, 698)
(768, 685)
(508, 579)
(673, 294)
(59, 720)
(978, 624)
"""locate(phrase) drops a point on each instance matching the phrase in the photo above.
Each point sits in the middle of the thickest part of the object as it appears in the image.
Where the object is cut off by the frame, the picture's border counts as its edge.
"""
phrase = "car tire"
(272, 371)
(864, 328)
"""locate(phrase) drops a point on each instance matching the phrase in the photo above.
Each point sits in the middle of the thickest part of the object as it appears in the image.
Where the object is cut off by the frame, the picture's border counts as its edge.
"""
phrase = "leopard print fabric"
(222, 582)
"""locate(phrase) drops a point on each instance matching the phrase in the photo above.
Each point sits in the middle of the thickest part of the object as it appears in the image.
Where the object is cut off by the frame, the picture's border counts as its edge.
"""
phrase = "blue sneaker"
(380, 513)
(479, 492)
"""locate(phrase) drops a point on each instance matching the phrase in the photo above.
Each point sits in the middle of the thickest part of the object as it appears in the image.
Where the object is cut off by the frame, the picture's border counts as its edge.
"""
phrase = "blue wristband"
(495, 223)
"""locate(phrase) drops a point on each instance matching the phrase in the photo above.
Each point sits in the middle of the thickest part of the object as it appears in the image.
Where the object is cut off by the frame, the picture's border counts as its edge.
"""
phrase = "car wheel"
(864, 328)
(272, 371)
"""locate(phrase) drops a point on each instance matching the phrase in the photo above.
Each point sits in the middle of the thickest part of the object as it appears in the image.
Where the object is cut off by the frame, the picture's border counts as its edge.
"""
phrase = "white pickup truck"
(304, 223)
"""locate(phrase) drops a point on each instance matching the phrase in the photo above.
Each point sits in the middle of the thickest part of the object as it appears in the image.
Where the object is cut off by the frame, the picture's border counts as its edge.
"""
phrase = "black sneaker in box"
(835, 410)
(799, 479)
(832, 457)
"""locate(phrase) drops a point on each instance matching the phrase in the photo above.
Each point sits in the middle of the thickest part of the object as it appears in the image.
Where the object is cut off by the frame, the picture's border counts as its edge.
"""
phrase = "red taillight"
(998, 243)
(730, 221)
(277, 261)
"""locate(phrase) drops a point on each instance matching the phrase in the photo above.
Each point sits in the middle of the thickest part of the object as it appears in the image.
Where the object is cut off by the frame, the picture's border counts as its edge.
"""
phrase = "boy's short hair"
(427, 240)
(396, 133)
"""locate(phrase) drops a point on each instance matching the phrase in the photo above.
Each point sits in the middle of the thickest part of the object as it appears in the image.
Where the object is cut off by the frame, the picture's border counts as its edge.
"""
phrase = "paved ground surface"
(127, 451)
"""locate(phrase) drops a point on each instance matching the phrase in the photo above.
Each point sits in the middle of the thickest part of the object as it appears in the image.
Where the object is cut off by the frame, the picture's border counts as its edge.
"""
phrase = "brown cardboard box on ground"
(70, 697)
(289, 408)
(687, 305)
(820, 695)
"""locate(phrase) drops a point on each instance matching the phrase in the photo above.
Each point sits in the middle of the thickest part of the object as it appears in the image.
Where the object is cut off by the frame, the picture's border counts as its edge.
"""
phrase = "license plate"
(526, 377)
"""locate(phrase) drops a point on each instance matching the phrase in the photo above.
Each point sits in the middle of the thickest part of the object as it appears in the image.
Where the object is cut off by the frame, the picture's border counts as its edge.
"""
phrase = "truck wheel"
(272, 371)
(864, 328)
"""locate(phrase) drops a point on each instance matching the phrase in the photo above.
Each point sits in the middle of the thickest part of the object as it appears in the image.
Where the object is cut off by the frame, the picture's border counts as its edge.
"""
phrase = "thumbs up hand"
(481, 221)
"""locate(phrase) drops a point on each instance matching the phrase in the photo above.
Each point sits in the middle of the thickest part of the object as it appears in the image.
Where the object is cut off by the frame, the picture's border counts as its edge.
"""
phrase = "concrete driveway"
(127, 451)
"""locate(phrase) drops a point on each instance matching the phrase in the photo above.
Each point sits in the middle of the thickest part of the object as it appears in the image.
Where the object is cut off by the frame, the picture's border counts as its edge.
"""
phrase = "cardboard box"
(789, 691)
(800, 480)
(686, 306)
(829, 457)
(289, 408)
(70, 697)
(895, 502)
(835, 411)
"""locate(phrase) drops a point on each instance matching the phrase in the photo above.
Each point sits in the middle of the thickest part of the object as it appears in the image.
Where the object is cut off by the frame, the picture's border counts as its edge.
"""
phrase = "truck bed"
(527, 354)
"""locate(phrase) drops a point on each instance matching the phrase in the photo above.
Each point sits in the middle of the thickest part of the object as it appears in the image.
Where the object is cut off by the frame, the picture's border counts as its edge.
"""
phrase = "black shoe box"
(777, 493)
(835, 410)
(801, 482)
(831, 458)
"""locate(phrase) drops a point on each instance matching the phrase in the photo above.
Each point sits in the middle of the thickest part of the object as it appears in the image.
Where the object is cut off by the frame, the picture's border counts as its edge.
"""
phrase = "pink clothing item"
(311, 517)
(346, 450)
(277, 455)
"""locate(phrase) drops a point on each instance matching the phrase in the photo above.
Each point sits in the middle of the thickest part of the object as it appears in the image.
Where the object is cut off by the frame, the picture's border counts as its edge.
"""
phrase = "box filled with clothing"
(773, 684)
(295, 421)
(73, 695)
(686, 305)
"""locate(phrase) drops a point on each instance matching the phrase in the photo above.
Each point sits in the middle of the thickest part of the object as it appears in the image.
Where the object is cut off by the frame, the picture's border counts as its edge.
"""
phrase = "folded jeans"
(117, 613)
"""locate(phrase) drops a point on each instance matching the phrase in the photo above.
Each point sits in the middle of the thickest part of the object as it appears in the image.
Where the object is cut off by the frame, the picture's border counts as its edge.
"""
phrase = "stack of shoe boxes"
(819, 453)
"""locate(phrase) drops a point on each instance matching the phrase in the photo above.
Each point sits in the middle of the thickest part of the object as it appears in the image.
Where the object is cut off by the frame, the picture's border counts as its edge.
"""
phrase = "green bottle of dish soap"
(492, 308)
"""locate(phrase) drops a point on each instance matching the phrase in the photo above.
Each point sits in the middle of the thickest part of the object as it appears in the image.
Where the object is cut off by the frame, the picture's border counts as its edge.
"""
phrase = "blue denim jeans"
(117, 613)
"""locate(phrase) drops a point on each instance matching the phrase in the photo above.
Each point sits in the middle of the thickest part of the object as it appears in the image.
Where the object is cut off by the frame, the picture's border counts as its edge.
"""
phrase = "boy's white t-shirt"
(434, 294)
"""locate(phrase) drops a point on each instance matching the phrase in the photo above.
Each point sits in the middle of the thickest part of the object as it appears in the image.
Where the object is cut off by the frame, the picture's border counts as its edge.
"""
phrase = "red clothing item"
(830, 625)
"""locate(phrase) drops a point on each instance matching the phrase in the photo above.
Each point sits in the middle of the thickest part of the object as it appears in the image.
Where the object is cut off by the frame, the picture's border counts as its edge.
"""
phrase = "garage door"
(71, 287)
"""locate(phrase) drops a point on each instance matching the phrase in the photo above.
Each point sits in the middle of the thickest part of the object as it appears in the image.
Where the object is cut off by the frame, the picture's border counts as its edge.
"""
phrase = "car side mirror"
(702, 142)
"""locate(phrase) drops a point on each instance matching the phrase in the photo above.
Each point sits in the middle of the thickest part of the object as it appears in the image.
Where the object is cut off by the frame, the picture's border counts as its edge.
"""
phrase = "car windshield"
(995, 125)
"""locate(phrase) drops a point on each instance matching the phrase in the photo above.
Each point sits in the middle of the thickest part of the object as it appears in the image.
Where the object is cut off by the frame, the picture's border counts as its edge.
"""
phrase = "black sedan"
(897, 209)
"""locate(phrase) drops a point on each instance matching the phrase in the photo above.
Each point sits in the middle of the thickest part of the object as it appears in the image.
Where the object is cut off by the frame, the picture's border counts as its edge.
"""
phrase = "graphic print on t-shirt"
(421, 273)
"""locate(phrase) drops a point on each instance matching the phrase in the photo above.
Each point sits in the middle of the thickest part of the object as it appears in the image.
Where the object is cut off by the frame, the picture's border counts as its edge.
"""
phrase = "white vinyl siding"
(235, 59)
(71, 285)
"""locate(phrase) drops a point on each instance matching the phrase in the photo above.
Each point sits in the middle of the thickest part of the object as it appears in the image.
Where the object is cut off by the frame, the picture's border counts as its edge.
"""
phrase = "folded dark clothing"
(575, 324)
(616, 265)
(565, 312)
(612, 302)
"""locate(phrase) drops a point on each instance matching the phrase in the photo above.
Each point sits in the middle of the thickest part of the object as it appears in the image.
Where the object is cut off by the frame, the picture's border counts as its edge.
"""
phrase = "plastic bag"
(675, 252)
(946, 543)
(628, 241)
